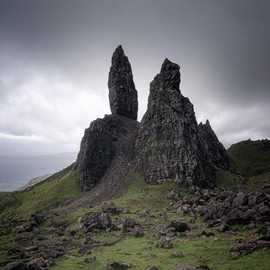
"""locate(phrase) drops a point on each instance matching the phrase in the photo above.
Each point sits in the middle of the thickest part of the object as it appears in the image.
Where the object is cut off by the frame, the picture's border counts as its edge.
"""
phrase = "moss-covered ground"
(139, 252)
(142, 251)
(52, 192)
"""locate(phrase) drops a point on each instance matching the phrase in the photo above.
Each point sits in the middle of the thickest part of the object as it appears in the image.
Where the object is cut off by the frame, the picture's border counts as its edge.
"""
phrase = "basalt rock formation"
(106, 140)
(107, 145)
(216, 152)
(168, 144)
(122, 92)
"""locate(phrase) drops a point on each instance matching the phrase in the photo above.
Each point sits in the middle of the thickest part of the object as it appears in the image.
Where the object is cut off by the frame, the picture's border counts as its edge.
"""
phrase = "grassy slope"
(250, 157)
(43, 196)
(53, 192)
(139, 252)
(58, 188)
(227, 179)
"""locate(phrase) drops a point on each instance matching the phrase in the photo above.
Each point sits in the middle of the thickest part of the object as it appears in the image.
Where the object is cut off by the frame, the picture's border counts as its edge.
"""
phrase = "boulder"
(179, 226)
(90, 259)
(38, 264)
(118, 266)
(110, 208)
(241, 199)
(132, 227)
(172, 195)
(178, 254)
(248, 247)
(165, 242)
(96, 221)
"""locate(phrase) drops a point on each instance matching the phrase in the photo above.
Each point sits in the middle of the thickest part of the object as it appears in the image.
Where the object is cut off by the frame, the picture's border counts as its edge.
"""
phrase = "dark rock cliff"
(107, 145)
(122, 92)
(216, 152)
(168, 144)
(105, 140)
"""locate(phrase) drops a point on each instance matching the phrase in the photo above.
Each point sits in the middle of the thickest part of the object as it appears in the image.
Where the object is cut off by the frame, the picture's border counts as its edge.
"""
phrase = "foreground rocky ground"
(148, 227)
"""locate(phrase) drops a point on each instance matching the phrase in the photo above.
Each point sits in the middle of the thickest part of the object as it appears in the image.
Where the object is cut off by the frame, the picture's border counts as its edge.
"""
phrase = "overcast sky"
(55, 57)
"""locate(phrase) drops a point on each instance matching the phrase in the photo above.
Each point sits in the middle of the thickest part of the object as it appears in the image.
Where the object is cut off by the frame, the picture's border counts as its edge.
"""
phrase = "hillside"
(160, 194)
(251, 157)
(53, 219)
(17, 171)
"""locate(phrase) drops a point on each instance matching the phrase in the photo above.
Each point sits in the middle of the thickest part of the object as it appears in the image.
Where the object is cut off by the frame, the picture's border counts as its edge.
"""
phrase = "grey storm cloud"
(55, 58)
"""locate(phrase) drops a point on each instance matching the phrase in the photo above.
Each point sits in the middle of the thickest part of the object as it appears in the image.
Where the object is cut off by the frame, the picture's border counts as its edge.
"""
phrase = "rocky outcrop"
(216, 152)
(107, 145)
(226, 208)
(103, 142)
(168, 144)
(122, 92)
(240, 248)
(96, 221)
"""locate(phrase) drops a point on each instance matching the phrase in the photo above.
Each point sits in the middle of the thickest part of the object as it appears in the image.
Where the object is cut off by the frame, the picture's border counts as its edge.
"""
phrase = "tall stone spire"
(168, 144)
(122, 92)
(107, 145)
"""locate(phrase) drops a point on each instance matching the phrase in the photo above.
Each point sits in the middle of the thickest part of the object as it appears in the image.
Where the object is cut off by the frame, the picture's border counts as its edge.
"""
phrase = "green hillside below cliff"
(48, 219)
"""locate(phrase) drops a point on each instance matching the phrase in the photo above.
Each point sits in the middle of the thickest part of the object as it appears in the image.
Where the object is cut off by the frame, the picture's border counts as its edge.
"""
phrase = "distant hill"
(251, 158)
(17, 171)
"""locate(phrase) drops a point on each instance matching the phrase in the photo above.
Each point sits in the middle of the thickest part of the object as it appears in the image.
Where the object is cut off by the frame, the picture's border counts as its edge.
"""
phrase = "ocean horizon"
(17, 171)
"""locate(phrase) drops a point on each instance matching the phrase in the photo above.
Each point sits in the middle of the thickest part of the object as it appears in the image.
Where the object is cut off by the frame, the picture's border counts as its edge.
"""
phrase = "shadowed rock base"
(104, 141)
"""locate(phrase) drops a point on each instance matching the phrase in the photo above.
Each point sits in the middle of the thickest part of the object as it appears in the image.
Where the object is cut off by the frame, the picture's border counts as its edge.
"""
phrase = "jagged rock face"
(216, 152)
(168, 144)
(122, 92)
(104, 141)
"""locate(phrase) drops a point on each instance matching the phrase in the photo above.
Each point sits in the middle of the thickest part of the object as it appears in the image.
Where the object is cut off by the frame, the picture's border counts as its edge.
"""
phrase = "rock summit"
(167, 144)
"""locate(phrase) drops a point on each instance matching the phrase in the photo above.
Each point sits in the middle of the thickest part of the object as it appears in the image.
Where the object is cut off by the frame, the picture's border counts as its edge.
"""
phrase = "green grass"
(227, 179)
(251, 158)
(138, 252)
(259, 180)
(7, 200)
(141, 195)
(49, 193)
(142, 252)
